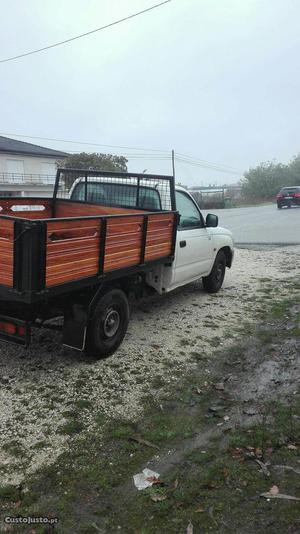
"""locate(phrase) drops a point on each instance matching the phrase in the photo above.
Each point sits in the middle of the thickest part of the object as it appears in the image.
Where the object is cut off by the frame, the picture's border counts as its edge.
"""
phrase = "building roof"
(13, 146)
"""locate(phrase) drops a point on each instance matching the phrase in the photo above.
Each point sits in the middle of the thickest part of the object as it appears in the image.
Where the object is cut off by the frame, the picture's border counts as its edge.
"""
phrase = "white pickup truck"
(100, 238)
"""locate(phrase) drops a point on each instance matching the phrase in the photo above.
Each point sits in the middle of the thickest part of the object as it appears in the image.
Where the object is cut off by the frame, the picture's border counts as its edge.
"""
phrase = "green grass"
(14, 447)
(83, 404)
(285, 306)
(71, 427)
(121, 430)
(167, 427)
(40, 445)
(266, 336)
(10, 493)
(277, 421)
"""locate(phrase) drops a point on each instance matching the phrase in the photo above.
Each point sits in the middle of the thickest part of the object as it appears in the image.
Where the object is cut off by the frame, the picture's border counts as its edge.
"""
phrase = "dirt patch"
(226, 432)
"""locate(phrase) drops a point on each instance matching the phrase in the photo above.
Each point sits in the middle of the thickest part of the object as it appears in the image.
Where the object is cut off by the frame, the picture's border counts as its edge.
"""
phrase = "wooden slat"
(6, 246)
(72, 267)
(123, 242)
(159, 236)
(73, 257)
(77, 209)
(6, 252)
(83, 223)
(69, 277)
(72, 250)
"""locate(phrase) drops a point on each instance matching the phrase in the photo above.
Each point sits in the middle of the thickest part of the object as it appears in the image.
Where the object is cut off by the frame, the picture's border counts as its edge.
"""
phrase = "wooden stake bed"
(88, 246)
(46, 246)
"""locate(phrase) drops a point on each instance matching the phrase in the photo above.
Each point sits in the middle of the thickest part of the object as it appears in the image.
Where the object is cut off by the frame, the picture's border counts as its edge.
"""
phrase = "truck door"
(194, 244)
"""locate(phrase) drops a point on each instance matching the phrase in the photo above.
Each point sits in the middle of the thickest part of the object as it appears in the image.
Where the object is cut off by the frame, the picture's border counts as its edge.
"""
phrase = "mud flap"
(74, 334)
(75, 328)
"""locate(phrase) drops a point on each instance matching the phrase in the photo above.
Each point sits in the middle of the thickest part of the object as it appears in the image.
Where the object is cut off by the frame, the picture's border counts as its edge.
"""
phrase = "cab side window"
(189, 215)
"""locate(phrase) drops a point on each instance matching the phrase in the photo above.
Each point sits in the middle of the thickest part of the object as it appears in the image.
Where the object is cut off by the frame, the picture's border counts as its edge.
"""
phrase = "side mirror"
(212, 220)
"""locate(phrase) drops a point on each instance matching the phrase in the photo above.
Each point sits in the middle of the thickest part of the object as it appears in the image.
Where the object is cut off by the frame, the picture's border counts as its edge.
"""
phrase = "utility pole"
(173, 163)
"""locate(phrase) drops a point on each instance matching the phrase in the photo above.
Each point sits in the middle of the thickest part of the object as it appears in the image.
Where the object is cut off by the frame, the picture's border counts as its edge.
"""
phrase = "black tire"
(213, 282)
(108, 325)
(279, 206)
(289, 205)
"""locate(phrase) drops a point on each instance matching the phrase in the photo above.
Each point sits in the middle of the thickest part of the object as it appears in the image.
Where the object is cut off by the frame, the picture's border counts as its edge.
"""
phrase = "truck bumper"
(14, 331)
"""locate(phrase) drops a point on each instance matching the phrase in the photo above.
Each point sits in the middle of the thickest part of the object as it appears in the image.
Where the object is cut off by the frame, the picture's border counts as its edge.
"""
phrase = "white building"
(27, 169)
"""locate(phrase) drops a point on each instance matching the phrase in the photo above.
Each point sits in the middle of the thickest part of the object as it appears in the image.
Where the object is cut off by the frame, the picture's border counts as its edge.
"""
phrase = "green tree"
(294, 168)
(265, 180)
(94, 161)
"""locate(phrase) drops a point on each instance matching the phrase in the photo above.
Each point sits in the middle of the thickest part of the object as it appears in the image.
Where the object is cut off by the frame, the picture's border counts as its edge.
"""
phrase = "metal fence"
(128, 190)
(21, 179)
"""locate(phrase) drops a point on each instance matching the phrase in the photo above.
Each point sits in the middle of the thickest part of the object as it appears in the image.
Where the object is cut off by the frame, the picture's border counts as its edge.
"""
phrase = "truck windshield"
(117, 194)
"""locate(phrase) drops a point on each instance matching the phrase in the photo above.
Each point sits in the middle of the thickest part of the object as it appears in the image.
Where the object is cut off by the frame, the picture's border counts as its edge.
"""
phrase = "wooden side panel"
(72, 250)
(6, 252)
(73, 247)
(123, 242)
(78, 209)
(28, 208)
(159, 236)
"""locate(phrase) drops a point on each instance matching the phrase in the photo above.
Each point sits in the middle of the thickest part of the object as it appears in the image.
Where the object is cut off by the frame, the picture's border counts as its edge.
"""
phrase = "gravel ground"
(41, 386)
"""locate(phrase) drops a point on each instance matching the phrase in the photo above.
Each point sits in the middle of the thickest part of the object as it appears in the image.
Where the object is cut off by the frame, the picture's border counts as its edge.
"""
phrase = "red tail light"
(12, 329)
(8, 328)
(297, 195)
(22, 331)
(280, 195)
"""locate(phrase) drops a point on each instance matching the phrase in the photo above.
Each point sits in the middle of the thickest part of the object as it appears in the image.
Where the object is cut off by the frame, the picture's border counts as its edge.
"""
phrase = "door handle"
(182, 244)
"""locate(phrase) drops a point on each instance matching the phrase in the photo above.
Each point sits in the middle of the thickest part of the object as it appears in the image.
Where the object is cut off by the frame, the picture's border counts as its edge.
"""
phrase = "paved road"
(262, 224)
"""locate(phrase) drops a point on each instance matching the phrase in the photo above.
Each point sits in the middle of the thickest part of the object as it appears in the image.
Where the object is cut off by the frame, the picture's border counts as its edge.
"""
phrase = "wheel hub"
(219, 272)
(111, 323)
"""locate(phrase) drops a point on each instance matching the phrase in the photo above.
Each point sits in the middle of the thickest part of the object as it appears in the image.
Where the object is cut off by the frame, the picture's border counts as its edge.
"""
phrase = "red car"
(288, 196)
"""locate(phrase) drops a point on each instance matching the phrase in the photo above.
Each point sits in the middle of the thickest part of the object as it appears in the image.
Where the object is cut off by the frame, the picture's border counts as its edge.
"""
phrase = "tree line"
(265, 180)
(93, 162)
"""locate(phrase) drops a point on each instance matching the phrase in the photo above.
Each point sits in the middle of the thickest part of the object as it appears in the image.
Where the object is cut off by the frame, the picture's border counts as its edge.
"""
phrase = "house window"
(15, 170)
(48, 172)
(10, 193)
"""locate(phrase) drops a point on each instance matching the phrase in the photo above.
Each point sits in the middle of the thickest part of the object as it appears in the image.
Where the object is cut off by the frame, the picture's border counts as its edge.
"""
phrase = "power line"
(85, 143)
(143, 153)
(194, 159)
(83, 34)
(133, 156)
(207, 166)
(210, 167)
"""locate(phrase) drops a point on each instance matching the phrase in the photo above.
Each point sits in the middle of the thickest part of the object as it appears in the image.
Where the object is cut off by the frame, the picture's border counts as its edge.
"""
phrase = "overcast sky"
(218, 80)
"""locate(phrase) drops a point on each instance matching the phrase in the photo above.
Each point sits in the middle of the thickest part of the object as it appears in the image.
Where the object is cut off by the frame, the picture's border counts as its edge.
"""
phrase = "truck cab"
(198, 242)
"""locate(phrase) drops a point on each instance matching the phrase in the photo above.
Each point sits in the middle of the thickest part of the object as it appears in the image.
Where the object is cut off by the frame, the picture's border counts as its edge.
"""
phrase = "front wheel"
(108, 325)
(213, 282)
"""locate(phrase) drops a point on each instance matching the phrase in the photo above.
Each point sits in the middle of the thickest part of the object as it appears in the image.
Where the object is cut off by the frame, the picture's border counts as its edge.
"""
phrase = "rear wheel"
(213, 282)
(279, 206)
(109, 324)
